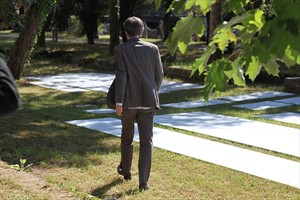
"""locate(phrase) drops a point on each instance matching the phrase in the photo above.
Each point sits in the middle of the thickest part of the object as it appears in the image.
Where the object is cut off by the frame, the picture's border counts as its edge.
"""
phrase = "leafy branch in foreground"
(260, 43)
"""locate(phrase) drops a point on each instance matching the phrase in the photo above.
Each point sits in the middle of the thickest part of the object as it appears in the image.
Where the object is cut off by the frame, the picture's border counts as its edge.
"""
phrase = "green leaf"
(16, 167)
(223, 37)
(201, 63)
(261, 51)
(207, 90)
(278, 46)
(249, 25)
(235, 22)
(253, 68)
(182, 46)
(157, 4)
(216, 77)
(176, 6)
(272, 67)
(74, 189)
(22, 162)
(237, 73)
(203, 4)
(287, 9)
(237, 5)
(239, 27)
(291, 57)
(258, 19)
(238, 19)
(183, 31)
(189, 4)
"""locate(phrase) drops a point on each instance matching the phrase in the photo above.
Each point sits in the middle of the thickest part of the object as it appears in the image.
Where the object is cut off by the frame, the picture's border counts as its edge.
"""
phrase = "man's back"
(144, 73)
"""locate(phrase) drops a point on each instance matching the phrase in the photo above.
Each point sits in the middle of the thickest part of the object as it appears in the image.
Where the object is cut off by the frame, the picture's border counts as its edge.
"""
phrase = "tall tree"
(88, 12)
(114, 25)
(34, 19)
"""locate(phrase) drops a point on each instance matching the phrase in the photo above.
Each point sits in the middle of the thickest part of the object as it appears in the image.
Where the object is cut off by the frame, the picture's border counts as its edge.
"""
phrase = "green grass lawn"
(80, 163)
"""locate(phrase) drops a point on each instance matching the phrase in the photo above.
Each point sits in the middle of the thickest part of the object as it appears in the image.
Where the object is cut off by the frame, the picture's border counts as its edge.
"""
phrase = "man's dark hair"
(134, 26)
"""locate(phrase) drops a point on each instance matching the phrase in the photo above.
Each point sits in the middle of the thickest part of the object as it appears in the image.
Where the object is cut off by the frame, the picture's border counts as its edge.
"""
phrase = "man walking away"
(139, 74)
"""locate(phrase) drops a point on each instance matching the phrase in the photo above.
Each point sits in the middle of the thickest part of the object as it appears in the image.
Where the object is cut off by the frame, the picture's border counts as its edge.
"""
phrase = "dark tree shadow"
(40, 133)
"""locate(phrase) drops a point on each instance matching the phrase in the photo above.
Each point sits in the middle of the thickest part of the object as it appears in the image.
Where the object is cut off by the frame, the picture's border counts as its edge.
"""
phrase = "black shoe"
(144, 186)
(126, 176)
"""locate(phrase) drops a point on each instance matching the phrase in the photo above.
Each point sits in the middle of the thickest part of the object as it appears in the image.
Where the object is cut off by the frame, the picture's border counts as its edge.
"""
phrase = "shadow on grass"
(53, 143)
(101, 191)
(38, 132)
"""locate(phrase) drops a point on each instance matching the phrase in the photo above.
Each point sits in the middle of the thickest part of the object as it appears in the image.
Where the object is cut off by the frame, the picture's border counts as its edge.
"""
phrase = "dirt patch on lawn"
(33, 182)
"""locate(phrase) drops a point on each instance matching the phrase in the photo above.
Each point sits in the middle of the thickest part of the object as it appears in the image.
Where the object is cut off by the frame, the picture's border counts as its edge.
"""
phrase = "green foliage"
(176, 6)
(236, 73)
(75, 26)
(14, 20)
(22, 166)
(204, 5)
(182, 33)
(237, 5)
(259, 42)
(201, 63)
(44, 7)
(157, 4)
(216, 76)
(223, 37)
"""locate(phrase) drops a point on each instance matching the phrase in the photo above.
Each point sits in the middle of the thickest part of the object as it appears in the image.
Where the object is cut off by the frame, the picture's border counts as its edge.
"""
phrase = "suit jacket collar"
(134, 39)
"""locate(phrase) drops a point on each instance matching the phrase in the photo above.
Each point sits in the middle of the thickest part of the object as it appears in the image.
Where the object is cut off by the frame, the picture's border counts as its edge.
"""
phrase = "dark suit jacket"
(139, 74)
(9, 95)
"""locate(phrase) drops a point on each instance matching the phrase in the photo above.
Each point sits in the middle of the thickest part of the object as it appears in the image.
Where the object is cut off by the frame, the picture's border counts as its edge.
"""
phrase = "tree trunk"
(167, 26)
(114, 25)
(20, 52)
(90, 36)
(215, 18)
(126, 10)
(22, 47)
(41, 38)
(90, 24)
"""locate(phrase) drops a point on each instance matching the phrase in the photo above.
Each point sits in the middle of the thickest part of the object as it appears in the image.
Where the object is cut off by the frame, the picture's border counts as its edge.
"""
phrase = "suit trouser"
(144, 119)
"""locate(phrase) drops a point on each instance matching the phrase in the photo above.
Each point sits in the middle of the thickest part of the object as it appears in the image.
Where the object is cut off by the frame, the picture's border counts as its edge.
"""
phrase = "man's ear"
(127, 36)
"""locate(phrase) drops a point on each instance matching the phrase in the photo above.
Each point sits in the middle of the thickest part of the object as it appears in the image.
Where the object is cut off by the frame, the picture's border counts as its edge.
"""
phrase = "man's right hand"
(119, 110)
